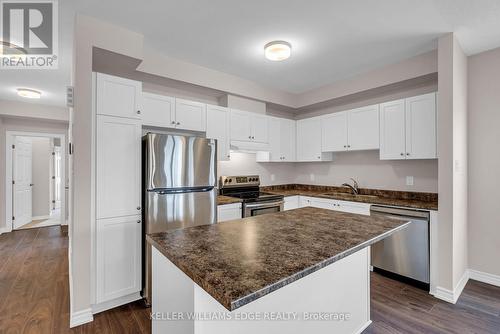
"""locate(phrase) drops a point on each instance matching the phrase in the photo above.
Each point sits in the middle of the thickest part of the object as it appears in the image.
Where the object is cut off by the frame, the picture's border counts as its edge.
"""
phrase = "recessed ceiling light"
(29, 93)
(277, 50)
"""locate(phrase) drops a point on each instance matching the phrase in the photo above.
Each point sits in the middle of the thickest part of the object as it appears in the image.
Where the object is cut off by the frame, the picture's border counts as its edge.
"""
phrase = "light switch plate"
(409, 181)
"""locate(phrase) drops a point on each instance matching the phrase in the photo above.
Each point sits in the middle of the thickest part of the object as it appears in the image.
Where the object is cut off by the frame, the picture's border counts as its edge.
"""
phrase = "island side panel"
(342, 287)
(172, 295)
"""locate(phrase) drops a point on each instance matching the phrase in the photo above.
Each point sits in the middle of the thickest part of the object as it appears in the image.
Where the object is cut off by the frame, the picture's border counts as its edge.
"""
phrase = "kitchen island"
(298, 271)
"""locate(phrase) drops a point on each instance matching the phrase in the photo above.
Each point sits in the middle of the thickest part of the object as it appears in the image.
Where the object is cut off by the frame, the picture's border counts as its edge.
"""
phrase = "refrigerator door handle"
(182, 190)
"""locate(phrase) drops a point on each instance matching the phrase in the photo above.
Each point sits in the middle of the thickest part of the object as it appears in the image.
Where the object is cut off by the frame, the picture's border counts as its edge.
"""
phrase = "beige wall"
(32, 110)
(41, 176)
(484, 162)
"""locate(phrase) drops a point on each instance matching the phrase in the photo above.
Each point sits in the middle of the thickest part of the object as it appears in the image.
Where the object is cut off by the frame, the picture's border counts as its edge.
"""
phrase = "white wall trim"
(484, 277)
(39, 217)
(365, 326)
(452, 296)
(81, 317)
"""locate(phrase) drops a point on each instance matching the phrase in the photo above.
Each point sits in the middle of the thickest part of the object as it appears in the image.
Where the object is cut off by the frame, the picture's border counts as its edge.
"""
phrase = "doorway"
(35, 165)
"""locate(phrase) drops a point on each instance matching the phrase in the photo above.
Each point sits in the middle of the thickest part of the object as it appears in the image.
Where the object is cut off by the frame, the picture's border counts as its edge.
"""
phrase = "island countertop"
(239, 261)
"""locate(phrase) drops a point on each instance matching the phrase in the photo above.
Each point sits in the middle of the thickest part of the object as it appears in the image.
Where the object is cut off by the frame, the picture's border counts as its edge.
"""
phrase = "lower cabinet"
(337, 205)
(118, 257)
(228, 212)
(291, 202)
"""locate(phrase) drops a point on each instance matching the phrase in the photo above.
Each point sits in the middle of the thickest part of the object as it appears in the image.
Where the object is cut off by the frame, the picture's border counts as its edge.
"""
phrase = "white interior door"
(22, 177)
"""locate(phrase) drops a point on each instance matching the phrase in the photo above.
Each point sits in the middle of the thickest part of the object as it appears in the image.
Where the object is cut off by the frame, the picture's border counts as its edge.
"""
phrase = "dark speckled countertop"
(240, 261)
(415, 200)
(222, 200)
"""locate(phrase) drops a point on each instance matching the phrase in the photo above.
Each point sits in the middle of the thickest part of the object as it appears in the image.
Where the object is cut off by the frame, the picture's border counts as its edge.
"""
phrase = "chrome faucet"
(354, 188)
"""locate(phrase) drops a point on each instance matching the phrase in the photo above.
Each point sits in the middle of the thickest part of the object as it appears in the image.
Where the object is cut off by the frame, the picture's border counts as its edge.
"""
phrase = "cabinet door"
(241, 125)
(363, 128)
(158, 110)
(228, 212)
(118, 184)
(275, 142)
(291, 202)
(353, 207)
(118, 96)
(218, 128)
(118, 257)
(190, 115)
(309, 139)
(287, 139)
(260, 128)
(392, 130)
(421, 127)
(334, 132)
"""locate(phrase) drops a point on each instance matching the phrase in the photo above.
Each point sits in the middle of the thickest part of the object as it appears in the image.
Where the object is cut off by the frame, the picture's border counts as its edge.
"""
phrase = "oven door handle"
(264, 204)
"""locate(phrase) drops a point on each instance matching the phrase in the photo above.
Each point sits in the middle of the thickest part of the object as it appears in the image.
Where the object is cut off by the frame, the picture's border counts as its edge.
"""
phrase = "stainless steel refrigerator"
(179, 182)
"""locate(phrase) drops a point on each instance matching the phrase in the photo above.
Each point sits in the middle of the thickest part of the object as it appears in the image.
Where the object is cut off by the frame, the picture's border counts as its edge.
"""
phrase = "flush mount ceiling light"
(29, 93)
(277, 50)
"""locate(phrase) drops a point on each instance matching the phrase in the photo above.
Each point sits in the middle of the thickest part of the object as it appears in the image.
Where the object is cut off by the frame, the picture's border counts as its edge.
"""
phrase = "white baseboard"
(4, 230)
(40, 217)
(452, 296)
(96, 308)
(81, 317)
(484, 277)
(365, 326)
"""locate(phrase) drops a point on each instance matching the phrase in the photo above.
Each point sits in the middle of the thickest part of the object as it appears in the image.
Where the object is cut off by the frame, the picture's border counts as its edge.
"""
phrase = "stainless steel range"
(255, 202)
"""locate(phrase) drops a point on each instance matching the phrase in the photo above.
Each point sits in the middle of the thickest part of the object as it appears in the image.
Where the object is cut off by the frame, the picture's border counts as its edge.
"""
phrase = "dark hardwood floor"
(34, 297)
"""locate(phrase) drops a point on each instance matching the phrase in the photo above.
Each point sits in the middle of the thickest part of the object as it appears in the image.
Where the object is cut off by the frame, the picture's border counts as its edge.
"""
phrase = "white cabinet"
(118, 170)
(309, 141)
(421, 134)
(228, 212)
(218, 128)
(291, 202)
(281, 141)
(118, 96)
(118, 260)
(334, 132)
(363, 128)
(408, 128)
(249, 127)
(337, 205)
(158, 110)
(190, 115)
(351, 130)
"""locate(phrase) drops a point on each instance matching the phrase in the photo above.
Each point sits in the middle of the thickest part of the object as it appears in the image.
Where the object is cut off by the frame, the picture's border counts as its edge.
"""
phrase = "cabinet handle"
(407, 153)
(178, 123)
(138, 222)
(349, 146)
(249, 137)
(138, 208)
(402, 154)
(345, 146)
(138, 112)
(253, 137)
(173, 122)
(319, 157)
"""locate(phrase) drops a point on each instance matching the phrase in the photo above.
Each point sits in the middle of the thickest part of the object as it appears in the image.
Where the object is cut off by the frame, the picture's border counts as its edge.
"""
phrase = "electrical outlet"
(409, 180)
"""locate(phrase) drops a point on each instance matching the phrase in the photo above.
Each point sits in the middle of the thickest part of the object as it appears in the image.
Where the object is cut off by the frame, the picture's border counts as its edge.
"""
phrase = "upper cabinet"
(249, 127)
(118, 96)
(282, 141)
(169, 112)
(309, 141)
(351, 130)
(408, 128)
(158, 110)
(218, 128)
(190, 115)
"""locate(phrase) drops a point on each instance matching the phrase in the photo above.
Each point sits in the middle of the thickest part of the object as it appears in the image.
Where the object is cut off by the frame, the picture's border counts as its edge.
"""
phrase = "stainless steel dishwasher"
(405, 253)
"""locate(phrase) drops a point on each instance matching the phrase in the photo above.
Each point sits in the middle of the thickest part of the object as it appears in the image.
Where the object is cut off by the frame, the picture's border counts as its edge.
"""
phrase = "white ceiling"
(331, 40)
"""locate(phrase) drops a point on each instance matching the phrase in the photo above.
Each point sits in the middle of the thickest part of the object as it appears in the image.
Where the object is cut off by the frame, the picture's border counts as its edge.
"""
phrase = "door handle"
(32, 184)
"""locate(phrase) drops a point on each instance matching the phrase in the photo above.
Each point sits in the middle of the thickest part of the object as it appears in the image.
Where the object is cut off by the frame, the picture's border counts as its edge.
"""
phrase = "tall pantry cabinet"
(117, 229)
